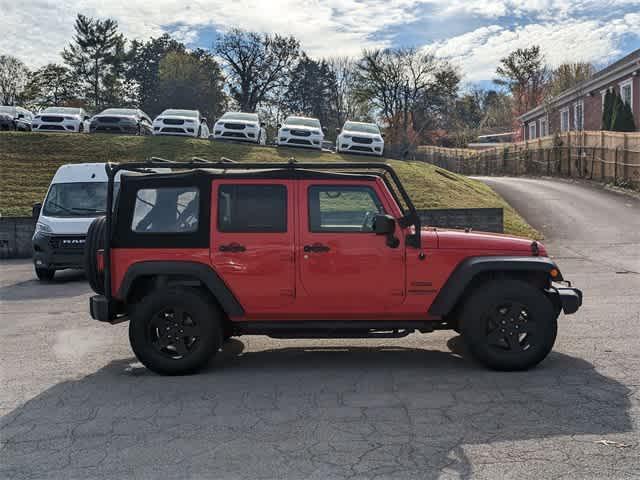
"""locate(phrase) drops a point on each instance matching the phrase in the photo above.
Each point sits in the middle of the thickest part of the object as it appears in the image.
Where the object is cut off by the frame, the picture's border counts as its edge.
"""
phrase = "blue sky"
(472, 34)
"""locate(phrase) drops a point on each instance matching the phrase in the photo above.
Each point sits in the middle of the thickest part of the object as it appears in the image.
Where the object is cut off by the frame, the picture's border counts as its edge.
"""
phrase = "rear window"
(252, 208)
(166, 210)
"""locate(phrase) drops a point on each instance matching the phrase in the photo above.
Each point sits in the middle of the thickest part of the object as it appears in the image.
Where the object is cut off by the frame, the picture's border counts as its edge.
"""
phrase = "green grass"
(29, 160)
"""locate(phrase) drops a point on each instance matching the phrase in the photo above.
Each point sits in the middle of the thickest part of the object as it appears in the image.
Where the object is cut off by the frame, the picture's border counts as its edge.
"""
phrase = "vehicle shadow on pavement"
(310, 412)
(68, 283)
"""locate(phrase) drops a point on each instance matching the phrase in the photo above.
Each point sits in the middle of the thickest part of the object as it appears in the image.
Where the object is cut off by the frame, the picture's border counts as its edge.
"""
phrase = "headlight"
(346, 137)
(128, 121)
(70, 118)
(37, 117)
(284, 129)
(43, 228)
(377, 139)
(315, 132)
(189, 121)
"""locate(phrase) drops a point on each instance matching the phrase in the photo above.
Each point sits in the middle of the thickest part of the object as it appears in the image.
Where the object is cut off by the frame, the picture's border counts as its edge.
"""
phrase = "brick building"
(580, 108)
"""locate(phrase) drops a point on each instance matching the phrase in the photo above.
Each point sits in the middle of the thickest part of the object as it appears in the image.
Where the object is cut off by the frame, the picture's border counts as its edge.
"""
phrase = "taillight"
(100, 260)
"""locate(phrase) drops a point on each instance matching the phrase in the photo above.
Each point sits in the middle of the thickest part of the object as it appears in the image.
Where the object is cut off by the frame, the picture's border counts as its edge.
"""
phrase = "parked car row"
(294, 131)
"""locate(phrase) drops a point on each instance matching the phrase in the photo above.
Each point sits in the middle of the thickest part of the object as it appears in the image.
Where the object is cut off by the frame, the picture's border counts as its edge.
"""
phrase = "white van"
(76, 196)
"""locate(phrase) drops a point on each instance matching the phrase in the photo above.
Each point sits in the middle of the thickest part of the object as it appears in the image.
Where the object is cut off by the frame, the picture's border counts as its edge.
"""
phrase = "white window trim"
(532, 127)
(544, 121)
(627, 82)
(603, 94)
(575, 115)
(562, 112)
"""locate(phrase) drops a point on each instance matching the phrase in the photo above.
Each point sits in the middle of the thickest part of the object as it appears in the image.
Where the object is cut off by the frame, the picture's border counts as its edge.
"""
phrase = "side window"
(166, 210)
(252, 208)
(343, 209)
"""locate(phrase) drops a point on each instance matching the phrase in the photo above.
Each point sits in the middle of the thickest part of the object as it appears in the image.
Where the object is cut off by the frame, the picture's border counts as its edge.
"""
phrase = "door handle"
(316, 248)
(232, 247)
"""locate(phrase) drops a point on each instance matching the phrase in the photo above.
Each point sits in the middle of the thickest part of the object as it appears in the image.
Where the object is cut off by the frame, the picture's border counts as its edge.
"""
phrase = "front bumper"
(350, 146)
(66, 126)
(184, 130)
(244, 134)
(114, 128)
(289, 140)
(58, 252)
(568, 298)
(104, 311)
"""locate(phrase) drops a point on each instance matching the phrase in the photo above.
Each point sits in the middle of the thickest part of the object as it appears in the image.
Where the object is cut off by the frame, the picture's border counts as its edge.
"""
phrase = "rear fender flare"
(200, 271)
(454, 288)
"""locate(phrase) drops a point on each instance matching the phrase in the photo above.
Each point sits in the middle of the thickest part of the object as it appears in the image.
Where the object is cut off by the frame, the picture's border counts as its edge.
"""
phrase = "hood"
(174, 117)
(67, 225)
(239, 122)
(106, 115)
(354, 133)
(301, 127)
(462, 240)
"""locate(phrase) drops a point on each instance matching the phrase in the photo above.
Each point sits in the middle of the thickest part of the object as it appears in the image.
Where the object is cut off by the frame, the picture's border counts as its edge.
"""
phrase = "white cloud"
(478, 52)
(37, 30)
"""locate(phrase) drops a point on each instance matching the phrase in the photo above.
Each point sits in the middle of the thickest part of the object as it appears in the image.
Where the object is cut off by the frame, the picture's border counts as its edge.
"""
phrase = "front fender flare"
(464, 273)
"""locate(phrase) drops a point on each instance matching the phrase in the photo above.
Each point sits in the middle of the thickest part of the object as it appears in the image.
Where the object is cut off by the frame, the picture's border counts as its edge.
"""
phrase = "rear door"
(344, 267)
(252, 242)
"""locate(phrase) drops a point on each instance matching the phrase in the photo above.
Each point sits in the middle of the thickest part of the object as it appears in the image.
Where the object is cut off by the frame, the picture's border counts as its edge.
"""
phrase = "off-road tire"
(45, 274)
(93, 243)
(535, 322)
(198, 307)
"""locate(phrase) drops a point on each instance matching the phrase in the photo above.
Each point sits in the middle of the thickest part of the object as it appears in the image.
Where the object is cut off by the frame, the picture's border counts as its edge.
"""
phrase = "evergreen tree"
(96, 57)
(607, 110)
(622, 120)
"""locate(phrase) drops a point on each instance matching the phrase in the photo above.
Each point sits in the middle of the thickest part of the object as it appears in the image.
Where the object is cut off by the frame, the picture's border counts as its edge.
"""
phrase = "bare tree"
(346, 104)
(256, 64)
(13, 78)
(400, 84)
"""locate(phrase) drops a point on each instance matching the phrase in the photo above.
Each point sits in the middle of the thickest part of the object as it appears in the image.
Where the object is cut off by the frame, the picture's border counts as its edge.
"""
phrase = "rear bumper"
(104, 311)
(569, 298)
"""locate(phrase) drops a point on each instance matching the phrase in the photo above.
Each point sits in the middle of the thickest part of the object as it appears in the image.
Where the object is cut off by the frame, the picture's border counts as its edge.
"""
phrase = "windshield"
(10, 110)
(181, 113)
(119, 111)
(80, 199)
(250, 117)
(361, 127)
(307, 122)
(67, 110)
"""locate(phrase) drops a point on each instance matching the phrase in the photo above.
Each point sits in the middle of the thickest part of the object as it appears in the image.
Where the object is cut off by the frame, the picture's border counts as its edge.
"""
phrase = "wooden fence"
(610, 157)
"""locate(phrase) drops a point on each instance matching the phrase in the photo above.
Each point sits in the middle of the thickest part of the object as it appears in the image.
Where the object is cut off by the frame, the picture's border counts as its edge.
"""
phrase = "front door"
(252, 242)
(345, 268)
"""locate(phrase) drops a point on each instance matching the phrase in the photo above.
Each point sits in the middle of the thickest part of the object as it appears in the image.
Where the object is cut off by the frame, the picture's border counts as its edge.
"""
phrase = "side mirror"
(279, 125)
(384, 224)
(262, 124)
(203, 120)
(21, 115)
(87, 117)
(337, 130)
(383, 135)
(35, 210)
(324, 129)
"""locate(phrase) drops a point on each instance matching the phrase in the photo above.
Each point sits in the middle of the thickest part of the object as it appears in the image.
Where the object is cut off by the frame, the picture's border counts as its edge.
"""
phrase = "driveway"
(76, 404)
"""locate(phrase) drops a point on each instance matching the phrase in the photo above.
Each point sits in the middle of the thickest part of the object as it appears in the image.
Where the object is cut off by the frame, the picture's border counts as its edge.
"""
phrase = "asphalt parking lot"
(76, 404)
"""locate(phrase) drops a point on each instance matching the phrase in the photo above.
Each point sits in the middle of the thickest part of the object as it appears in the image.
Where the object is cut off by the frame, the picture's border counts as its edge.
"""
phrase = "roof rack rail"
(200, 160)
(227, 160)
(158, 159)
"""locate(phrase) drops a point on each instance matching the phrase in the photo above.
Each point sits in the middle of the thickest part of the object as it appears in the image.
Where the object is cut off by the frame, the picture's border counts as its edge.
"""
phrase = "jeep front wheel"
(175, 331)
(509, 325)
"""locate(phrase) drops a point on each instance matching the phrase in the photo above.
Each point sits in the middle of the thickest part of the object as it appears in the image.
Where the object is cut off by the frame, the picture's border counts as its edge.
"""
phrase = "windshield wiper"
(90, 210)
(57, 205)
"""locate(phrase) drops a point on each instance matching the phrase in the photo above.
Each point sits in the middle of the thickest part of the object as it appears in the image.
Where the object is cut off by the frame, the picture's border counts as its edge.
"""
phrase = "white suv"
(358, 137)
(188, 123)
(61, 119)
(301, 132)
(246, 127)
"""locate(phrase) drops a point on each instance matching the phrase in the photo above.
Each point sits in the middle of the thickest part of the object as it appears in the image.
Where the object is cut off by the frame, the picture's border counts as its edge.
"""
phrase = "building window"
(626, 92)
(532, 130)
(564, 120)
(544, 127)
(578, 115)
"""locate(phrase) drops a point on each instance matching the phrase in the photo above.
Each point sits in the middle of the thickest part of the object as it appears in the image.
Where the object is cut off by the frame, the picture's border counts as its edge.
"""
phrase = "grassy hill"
(29, 160)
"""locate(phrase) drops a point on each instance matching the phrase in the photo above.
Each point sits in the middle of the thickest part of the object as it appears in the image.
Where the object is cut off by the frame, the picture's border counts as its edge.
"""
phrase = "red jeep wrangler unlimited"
(212, 250)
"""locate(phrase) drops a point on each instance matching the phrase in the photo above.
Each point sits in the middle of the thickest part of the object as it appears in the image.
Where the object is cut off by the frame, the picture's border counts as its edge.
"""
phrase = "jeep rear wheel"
(509, 325)
(175, 331)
